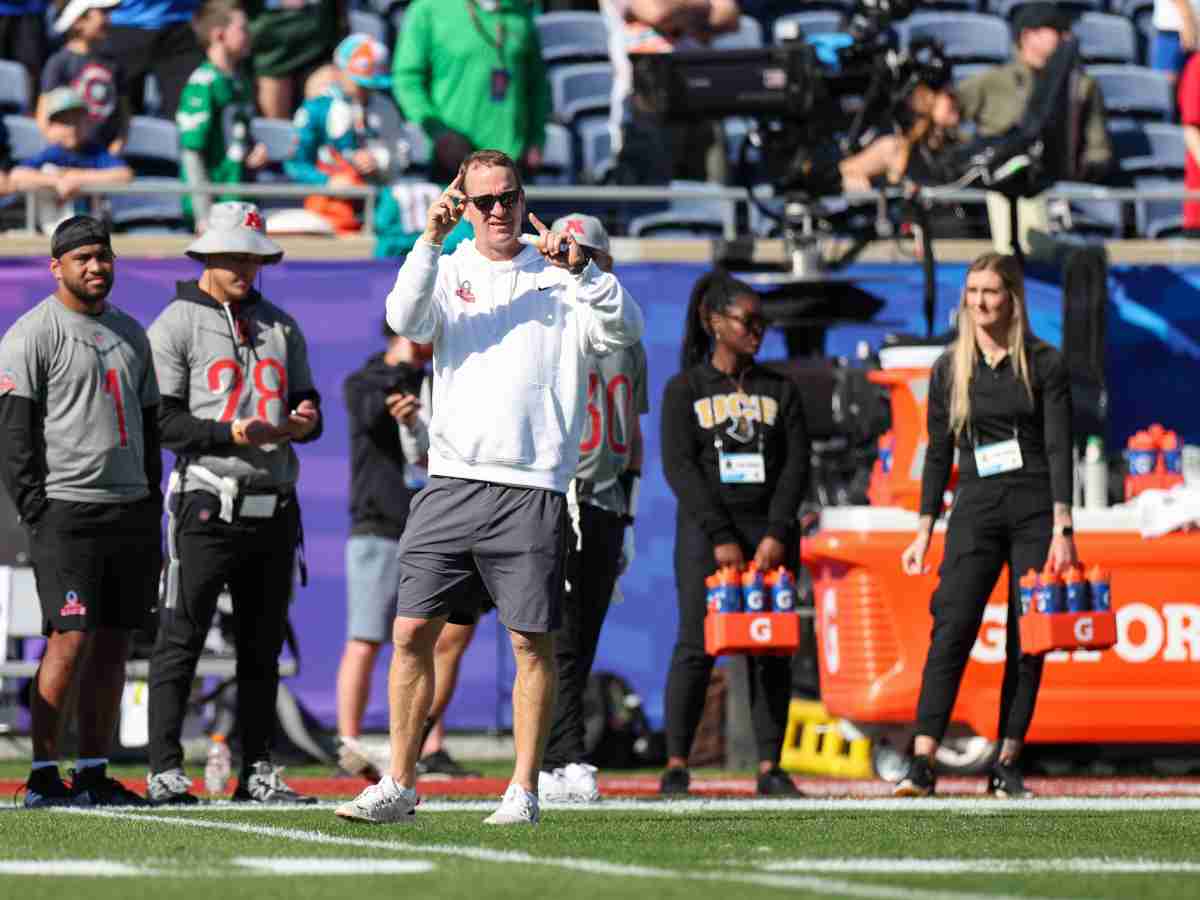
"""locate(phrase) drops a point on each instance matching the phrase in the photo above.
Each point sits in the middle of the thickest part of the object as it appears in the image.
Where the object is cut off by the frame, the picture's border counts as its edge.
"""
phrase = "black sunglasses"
(486, 202)
(750, 323)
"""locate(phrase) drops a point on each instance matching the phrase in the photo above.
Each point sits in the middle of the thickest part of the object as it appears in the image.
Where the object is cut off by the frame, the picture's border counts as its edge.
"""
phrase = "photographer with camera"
(997, 100)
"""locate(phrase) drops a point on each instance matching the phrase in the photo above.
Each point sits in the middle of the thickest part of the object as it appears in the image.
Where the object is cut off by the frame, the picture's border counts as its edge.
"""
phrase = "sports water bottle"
(729, 590)
(1101, 589)
(712, 593)
(1028, 587)
(1141, 455)
(1172, 459)
(1075, 590)
(754, 595)
(783, 591)
(1049, 595)
(218, 767)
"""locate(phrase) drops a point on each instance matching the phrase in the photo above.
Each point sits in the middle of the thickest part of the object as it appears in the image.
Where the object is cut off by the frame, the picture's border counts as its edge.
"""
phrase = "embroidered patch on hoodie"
(464, 293)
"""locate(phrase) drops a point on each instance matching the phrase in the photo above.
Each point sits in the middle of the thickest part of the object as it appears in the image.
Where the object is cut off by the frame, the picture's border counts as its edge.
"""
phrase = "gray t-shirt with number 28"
(91, 377)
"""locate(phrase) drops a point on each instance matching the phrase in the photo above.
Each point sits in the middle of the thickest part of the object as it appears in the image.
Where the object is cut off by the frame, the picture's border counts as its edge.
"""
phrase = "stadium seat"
(1099, 217)
(1143, 22)
(1135, 92)
(802, 24)
(966, 37)
(1006, 9)
(748, 36)
(277, 135)
(1106, 39)
(558, 157)
(1150, 148)
(24, 137)
(152, 151)
(14, 88)
(363, 22)
(579, 89)
(400, 137)
(573, 37)
(595, 142)
(689, 213)
(1159, 218)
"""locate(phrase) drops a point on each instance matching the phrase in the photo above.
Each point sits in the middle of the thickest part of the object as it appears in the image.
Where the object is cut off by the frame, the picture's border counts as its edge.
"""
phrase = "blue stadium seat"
(1100, 217)
(573, 37)
(1143, 22)
(152, 151)
(278, 135)
(1106, 39)
(558, 157)
(798, 24)
(24, 137)
(966, 37)
(689, 213)
(1135, 92)
(363, 22)
(14, 88)
(1006, 9)
(1159, 218)
(1150, 148)
(580, 89)
(595, 142)
(748, 36)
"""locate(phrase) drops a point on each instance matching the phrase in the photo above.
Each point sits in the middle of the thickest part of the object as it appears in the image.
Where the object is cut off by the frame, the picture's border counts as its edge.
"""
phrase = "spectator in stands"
(912, 152)
(470, 72)
(69, 163)
(23, 35)
(996, 99)
(154, 37)
(649, 150)
(91, 74)
(1175, 34)
(292, 38)
(216, 107)
(337, 146)
(1189, 112)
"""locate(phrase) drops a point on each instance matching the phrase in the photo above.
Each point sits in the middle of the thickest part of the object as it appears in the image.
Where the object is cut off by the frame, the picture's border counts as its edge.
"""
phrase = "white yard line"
(85, 868)
(308, 865)
(865, 866)
(821, 886)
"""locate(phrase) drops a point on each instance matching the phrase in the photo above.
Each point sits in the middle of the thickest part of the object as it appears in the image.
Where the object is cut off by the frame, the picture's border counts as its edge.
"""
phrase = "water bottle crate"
(767, 634)
(1042, 632)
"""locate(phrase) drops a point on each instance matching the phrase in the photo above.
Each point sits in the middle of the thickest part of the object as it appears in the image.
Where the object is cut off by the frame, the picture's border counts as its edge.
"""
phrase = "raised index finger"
(537, 223)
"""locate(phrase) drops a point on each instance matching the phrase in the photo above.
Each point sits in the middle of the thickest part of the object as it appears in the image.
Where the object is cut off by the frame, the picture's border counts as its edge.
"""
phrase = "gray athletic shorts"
(461, 534)
(372, 573)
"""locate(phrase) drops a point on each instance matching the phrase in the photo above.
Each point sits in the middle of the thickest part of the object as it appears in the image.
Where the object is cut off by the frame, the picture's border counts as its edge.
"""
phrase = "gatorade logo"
(1084, 630)
(760, 630)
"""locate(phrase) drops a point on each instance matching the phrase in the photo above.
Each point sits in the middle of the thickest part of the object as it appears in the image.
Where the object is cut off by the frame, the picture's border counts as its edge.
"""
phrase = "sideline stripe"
(89, 868)
(821, 886)
(307, 865)
(868, 866)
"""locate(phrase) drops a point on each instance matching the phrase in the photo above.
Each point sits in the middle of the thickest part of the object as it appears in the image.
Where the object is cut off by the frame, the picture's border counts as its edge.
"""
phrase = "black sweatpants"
(171, 53)
(255, 557)
(994, 522)
(592, 574)
(687, 681)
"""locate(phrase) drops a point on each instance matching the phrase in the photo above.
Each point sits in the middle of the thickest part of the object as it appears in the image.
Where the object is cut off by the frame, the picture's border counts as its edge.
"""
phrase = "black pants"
(171, 53)
(1005, 520)
(592, 574)
(687, 681)
(255, 558)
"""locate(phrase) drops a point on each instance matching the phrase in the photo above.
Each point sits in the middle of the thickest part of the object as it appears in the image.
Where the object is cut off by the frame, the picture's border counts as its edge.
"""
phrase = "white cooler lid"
(902, 357)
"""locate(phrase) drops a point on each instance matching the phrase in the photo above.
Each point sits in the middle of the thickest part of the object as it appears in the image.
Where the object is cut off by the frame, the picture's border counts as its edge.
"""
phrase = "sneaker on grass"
(776, 783)
(45, 788)
(918, 781)
(675, 782)
(573, 783)
(1007, 783)
(517, 807)
(93, 787)
(170, 788)
(265, 784)
(354, 759)
(381, 803)
(442, 763)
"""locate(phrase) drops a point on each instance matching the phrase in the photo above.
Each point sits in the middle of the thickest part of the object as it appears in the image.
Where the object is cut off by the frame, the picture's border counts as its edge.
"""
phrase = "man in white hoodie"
(512, 327)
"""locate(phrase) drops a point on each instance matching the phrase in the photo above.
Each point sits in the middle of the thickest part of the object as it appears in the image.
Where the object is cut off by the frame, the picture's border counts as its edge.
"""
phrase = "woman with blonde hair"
(1001, 397)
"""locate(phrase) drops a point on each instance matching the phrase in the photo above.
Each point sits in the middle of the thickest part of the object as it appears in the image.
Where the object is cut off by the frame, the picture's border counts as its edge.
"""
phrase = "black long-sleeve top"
(1000, 403)
(696, 412)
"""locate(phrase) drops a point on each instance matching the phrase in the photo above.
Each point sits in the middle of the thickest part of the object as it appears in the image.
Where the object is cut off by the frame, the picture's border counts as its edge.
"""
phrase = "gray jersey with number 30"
(91, 377)
(616, 394)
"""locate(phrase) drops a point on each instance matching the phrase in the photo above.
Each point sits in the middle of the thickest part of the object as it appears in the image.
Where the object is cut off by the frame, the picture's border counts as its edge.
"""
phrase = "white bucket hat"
(76, 8)
(235, 227)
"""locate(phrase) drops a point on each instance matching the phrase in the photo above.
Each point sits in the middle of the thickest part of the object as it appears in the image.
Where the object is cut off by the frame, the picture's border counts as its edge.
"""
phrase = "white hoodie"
(510, 341)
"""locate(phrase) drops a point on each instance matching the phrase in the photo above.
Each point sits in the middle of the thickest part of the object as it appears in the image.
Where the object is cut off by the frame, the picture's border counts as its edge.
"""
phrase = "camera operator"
(997, 99)
(649, 150)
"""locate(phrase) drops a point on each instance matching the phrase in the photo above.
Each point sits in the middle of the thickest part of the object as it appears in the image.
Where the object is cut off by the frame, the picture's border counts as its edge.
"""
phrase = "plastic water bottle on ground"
(219, 766)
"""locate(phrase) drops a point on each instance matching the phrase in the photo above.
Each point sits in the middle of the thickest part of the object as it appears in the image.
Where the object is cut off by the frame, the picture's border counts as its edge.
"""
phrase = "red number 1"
(112, 386)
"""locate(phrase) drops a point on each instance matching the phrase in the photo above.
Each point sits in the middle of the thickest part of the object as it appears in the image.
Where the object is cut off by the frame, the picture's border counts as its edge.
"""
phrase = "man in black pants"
(80, 458)
(154, 37)
(602, 501)
(237, 392)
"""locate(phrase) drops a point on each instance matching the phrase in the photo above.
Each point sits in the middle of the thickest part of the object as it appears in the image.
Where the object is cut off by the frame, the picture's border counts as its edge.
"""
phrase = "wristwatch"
(1064, 531)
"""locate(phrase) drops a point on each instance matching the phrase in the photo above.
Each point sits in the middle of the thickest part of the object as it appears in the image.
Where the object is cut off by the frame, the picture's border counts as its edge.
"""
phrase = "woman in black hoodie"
(735, 452)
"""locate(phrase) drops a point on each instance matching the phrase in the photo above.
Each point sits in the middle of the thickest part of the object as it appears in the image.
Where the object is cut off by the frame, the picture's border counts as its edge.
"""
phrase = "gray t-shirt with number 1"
(91, 377)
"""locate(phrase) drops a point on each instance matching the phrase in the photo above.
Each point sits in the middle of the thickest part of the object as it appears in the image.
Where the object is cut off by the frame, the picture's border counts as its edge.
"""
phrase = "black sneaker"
(675, 782)
(264, 784)
(93, 787)
(45, 787)
(776, 783)
(1007, 784)
(442, 763)
(919, 781)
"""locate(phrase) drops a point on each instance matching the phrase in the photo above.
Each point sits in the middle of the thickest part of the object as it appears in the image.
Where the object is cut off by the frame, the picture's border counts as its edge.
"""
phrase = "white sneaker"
(381, 803)
(573, 783)
(517, 807)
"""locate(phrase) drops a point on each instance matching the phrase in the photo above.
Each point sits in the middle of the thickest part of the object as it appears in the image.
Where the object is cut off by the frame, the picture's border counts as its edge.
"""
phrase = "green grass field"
(692, 850)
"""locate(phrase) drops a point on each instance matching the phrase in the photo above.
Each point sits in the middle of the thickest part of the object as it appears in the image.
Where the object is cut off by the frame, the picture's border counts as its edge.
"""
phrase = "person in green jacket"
(471, 74)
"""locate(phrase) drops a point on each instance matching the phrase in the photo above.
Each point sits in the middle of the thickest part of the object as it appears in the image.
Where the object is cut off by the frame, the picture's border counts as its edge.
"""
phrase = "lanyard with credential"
(741, 467)
(997, 458)
(501, 76)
